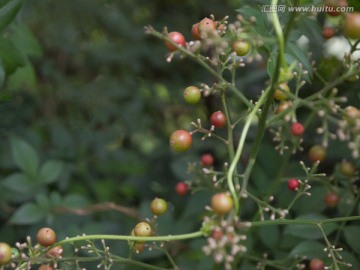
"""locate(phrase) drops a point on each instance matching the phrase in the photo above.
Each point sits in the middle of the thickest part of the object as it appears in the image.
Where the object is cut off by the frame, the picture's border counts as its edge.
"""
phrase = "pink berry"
(293, 184)
(181, 188)
(207, 160)
(297, 129)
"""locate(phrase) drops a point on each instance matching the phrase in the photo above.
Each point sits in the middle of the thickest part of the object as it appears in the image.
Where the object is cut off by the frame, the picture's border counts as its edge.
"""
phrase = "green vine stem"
(302, 221)
(131, 238)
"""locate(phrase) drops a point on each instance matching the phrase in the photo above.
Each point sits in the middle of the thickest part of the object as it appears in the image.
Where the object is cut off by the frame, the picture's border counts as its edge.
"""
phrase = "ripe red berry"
(195, 31)
(143, 229)
(158, 206)
(192, 94)
(46, 237)
(297, 129)
(332, 199)
(5, 253)
(317, 153)
(181, 188)
(207, 160)
(293, 184)
(177, 38)
(206, 25)
(328, 32)
(217, 234)
(180, 140)
(56, 251)
(218, 119)
(316, 264)
(221, 203)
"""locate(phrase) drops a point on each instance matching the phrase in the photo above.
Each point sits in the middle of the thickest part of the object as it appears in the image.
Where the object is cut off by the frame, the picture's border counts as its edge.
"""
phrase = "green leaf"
(270, 236)
(309, 231)
(11, 56)
(19, 182)
(8, 12)
(294, 52)
(50, 171)
(310, 249)
(29, 213)
(351, 258)
(23, 77)
(24, 156)
(25, 40)
(352, 237)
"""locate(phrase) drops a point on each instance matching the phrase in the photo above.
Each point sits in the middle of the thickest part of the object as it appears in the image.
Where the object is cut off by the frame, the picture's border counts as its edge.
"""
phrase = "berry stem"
(302, 221)
(235, 161)
(130, 238)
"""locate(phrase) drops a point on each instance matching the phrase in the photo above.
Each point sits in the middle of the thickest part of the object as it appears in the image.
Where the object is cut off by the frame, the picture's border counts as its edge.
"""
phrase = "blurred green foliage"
(87, 108)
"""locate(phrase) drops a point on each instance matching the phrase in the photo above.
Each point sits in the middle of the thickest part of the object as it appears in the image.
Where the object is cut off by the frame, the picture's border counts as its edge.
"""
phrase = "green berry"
(5, 253)
(143, 229)
(240, 47)
(158, 206)
(192, 95)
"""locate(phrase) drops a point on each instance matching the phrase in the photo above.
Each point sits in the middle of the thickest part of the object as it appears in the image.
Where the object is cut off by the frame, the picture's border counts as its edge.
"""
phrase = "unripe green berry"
(143, 229)
(192, 95)
(240, 47)
(5, 253)
(158, 206)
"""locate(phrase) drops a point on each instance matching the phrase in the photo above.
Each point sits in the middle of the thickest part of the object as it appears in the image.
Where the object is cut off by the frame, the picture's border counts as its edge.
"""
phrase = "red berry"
(143, 229)
(217, 234)
(221, 203)
(328, 32)
(293, 184)
(218, 119)
(297, 129)
(56, 251)
(332, 5)
(317, 153)
(332, 199)
(181, 188)
(316, 264)
(206, 25)
(46, 237)
(207, 160)
(180, 140)
(177, 38)
(195, 31)
(5, 253)
(158, 206)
